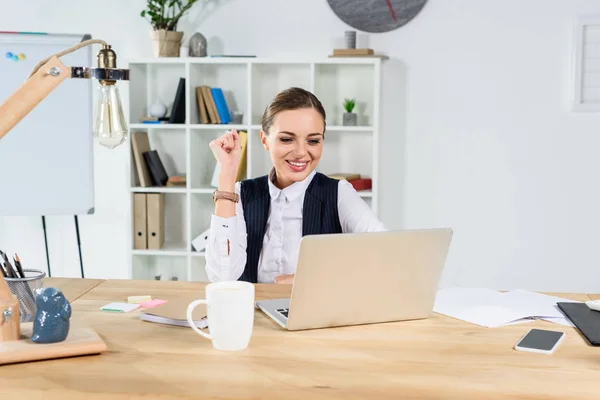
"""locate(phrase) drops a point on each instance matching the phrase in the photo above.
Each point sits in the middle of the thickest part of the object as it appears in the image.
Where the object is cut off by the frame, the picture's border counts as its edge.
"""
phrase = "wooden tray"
(81, 341)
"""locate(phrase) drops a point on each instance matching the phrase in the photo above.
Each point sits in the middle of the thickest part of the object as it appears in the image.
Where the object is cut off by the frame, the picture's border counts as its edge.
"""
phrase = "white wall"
(491, 148)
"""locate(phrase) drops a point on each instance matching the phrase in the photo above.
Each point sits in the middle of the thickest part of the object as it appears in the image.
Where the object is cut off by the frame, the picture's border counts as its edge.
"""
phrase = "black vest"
(319, 214)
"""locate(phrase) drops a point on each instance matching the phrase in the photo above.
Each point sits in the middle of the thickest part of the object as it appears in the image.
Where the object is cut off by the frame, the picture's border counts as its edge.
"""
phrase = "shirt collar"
(291, 192)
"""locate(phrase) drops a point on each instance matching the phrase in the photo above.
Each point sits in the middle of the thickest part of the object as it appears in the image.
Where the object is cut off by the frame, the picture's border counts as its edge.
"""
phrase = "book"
(346, 176)
(362, 184)
(353, 52)
(177, 180)
(139, 145)
(202, 106)
(221, 105)
(178, 109)
(155, 166)
(174, 313)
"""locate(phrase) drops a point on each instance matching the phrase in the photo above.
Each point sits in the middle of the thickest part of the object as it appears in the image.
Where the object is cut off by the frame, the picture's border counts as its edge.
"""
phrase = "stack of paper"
(491, 308)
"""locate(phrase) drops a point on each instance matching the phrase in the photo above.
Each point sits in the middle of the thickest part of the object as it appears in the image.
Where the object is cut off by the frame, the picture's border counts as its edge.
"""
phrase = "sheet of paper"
(138, 299)
(152, 303)
(537, 304)
(491, 308)
(479, 306)
(119, 307)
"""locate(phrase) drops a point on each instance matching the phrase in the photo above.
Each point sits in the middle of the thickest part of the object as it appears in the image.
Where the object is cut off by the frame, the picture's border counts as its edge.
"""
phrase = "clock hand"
(391, 9)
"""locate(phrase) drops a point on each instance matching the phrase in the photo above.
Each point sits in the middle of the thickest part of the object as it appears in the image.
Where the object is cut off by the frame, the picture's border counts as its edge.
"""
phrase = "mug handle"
(190, 309)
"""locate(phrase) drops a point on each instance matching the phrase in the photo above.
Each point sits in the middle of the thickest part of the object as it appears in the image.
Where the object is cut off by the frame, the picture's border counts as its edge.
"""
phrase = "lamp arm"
(67, 51)
(31, 93)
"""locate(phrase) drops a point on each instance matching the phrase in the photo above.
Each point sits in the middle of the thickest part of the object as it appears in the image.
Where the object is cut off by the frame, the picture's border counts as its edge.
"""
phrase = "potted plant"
(164, 15)
(349, 116)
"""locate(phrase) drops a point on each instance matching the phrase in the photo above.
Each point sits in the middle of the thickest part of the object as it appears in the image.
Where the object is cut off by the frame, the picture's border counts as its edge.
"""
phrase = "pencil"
(6, 267)
(9, 268)
(18, 265)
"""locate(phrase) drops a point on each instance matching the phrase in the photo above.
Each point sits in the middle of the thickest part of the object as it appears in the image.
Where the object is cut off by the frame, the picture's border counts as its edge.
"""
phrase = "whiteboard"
(46, 160)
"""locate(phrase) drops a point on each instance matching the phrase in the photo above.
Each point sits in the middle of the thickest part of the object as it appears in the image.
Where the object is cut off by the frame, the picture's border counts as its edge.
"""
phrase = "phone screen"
(540, 339)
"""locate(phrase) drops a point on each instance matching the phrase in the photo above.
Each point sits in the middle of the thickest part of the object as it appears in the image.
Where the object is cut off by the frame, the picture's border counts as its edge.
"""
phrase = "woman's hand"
(227, 150)
(284, 279)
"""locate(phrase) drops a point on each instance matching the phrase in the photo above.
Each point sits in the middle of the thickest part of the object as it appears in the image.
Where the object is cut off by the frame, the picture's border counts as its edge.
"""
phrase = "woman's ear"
(263, 139)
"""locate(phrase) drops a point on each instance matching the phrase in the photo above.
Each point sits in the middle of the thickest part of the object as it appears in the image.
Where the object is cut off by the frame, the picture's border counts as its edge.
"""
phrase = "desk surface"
(438, 357)
(73, 288)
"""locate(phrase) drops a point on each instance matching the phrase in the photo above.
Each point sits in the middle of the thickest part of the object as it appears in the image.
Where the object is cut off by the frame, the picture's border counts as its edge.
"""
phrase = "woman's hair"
(293, 98)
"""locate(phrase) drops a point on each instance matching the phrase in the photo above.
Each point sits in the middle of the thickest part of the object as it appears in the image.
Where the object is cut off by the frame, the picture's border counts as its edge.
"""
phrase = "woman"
(257, 224)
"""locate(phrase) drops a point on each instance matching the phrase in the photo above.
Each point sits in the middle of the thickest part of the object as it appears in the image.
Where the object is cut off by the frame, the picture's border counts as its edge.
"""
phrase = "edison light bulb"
(110, 128)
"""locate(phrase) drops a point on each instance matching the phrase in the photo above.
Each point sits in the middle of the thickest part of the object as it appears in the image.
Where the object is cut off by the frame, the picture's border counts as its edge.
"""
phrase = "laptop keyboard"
(283, 311)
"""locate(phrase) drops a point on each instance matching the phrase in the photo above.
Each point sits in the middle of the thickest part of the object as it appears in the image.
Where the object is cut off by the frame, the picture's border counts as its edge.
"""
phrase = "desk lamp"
(109, 128)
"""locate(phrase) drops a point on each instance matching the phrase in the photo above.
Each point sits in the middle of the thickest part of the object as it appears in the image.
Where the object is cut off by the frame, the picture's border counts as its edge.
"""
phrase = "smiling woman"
(293, 130)
(258, 223)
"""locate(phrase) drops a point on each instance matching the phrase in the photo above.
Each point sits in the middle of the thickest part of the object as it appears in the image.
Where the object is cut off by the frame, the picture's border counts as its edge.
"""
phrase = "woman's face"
(295, 142)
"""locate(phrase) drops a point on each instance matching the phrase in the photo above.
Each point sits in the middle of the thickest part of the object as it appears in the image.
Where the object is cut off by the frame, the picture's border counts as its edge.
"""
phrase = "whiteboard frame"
(65, 40)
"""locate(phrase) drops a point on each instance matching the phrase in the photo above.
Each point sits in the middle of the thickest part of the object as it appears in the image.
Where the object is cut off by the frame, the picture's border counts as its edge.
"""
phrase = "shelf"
(167, 252)
(254, 60)
(222, 127)
(231, 78)
(203, 190)
(157, 126)
(219, 127)
(332, 128)
(168, 249)
(158, 189)
(248, 84)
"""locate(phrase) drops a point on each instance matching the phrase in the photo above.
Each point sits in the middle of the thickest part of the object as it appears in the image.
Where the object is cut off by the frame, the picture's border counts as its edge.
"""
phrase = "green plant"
(349, 105)
(165, 14)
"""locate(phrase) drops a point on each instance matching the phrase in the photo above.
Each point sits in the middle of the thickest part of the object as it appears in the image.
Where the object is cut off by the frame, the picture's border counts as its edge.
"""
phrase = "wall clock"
(376, 16)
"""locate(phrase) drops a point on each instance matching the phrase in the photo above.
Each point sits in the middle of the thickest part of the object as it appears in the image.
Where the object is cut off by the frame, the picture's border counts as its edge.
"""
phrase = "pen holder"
(24, 290)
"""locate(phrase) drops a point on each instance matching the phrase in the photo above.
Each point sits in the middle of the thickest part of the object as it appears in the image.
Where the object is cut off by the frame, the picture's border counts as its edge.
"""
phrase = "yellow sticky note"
(138, 299)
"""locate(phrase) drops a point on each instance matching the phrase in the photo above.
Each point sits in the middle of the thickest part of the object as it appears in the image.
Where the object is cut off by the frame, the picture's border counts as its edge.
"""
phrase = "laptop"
(363, 278)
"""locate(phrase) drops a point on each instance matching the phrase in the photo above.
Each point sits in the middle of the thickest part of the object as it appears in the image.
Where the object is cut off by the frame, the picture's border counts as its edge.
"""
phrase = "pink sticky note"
(152, 303)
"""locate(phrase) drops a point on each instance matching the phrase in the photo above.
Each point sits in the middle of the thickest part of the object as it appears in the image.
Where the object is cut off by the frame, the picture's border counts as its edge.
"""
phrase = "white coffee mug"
(230, 314)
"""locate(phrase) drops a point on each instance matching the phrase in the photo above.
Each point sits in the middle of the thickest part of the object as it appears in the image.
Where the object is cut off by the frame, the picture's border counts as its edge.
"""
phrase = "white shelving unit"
(248, 84)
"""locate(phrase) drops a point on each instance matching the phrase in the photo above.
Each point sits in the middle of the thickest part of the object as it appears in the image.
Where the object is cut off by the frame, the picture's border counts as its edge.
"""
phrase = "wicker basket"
(166, 43)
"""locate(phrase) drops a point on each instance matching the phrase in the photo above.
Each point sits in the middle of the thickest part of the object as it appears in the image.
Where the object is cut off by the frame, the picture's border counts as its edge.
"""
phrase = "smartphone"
(540, 341)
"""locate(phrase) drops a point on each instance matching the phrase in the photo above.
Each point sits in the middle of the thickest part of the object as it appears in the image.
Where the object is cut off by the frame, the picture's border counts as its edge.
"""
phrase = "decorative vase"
(197, 45)
(349, 119)
(350, 37)
(158, 109)
(166, 43)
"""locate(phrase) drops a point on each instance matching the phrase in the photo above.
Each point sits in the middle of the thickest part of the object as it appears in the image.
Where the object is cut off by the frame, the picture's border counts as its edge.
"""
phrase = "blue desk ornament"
(53, 312)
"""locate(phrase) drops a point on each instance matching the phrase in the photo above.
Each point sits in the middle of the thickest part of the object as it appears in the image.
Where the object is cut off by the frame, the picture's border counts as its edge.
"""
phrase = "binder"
(140, 240)
(139, 145)
(155, 213)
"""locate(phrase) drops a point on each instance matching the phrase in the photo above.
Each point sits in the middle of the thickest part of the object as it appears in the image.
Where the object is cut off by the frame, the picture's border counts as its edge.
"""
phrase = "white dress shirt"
(226, 247)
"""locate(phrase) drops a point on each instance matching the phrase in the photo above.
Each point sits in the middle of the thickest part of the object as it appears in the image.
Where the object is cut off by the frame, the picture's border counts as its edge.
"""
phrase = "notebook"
(585, 319)
(174, 313)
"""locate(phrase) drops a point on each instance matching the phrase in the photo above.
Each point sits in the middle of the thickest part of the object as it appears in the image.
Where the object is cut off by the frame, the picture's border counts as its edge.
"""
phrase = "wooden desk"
(72, 288)
(439, 358)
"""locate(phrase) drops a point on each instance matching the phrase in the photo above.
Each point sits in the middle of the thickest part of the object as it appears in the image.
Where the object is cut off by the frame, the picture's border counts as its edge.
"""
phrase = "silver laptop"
(362, 278)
